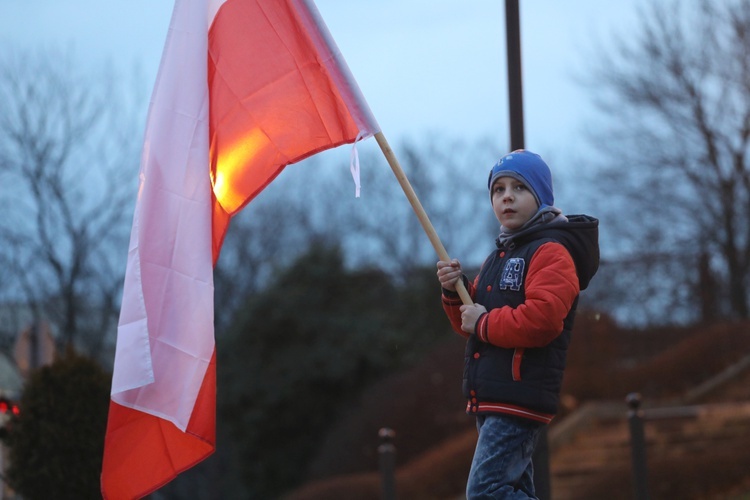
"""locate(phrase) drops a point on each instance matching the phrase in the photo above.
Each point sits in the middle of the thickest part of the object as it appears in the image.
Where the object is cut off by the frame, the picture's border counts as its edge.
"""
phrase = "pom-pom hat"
(529, 168)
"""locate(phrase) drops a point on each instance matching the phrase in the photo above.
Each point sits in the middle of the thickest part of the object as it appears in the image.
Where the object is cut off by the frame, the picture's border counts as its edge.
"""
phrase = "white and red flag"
(244, 88)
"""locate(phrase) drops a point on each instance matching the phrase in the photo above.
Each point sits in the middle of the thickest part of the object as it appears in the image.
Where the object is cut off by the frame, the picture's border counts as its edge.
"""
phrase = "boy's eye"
(520, 187)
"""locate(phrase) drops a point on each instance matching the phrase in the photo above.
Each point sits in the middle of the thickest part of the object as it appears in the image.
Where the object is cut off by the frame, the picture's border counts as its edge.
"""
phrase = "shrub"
(57, 441)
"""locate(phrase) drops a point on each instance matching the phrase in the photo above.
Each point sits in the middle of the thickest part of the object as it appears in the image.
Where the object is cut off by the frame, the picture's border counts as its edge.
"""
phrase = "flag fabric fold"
(244, 88)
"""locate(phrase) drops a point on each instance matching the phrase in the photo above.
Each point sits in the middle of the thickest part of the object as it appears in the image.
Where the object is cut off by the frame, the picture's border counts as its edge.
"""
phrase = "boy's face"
(512, 202)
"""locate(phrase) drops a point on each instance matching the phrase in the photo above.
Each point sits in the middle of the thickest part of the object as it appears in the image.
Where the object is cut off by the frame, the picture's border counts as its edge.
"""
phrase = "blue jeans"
(502, 467)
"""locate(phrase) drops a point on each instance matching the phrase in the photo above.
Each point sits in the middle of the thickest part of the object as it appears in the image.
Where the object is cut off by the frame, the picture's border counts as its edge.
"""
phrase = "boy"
(519, 327)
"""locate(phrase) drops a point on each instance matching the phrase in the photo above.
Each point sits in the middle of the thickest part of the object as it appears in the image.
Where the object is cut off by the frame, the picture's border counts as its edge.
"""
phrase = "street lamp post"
(542, 482)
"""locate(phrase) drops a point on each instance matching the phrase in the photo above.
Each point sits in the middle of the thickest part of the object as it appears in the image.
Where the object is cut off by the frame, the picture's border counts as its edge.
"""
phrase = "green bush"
(57, 441)
(303, 351)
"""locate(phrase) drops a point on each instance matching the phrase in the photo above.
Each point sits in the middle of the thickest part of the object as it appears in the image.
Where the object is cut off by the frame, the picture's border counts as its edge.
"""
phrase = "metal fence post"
(638, 446)
(387, 455)
(542, 471)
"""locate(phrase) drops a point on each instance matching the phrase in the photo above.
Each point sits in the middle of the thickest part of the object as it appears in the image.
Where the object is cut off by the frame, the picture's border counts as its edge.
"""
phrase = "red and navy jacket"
(514, 362)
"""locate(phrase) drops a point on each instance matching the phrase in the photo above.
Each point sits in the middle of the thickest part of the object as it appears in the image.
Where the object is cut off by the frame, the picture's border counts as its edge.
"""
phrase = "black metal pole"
(387, 452)
(638, 446)
(515, 88)
(542, 473)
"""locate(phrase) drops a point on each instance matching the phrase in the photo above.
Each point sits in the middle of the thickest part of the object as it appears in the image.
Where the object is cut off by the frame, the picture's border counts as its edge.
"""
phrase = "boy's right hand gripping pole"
(421, 214)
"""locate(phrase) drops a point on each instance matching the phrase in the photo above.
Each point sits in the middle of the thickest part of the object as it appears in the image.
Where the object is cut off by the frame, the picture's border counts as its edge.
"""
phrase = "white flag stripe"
(165, 337)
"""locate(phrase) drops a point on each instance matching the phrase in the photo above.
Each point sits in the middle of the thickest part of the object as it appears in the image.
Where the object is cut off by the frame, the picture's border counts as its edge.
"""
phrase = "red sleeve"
(451, 305)
(551, 288)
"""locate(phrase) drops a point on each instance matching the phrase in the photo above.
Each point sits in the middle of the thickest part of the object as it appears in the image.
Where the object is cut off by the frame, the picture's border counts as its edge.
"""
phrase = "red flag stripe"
(294, 77)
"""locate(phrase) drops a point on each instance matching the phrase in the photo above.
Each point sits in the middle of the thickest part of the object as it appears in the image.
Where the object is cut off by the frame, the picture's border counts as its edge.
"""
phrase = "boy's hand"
(469, 316)
(449, 273)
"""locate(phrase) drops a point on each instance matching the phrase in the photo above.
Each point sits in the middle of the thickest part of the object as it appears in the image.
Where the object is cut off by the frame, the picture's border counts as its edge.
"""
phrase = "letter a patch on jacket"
(512, 277)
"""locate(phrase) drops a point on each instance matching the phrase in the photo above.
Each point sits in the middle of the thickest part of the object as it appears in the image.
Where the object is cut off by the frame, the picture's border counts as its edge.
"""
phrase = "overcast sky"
(423, 65)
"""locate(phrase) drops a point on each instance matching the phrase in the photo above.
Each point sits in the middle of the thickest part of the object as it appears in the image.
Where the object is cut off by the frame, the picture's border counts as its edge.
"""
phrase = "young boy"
(519, 327)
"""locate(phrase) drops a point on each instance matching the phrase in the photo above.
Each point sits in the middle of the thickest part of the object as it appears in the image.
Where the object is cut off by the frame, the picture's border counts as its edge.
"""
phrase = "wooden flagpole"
(421, 214)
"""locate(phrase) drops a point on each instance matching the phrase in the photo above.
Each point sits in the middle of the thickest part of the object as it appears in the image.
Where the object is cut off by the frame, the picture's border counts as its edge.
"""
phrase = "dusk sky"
(423, 65)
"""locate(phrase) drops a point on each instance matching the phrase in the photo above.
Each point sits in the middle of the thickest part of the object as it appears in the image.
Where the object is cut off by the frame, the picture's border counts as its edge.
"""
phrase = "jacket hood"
(579, 235)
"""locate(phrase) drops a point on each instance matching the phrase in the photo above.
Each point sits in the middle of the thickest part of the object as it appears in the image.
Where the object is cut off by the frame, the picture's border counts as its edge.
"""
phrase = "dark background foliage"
(57, 440)
(301, 353)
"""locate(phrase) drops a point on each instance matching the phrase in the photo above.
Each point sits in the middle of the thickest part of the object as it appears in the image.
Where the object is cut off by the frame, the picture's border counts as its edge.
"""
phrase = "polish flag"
(245, 87)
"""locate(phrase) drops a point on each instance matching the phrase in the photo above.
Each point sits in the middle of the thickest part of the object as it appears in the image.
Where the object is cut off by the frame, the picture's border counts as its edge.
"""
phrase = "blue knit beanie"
(529, 168)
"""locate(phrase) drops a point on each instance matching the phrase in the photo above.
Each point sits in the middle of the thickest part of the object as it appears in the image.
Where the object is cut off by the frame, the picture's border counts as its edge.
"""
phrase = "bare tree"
(380, 229)
(68, 157)
(676, 143)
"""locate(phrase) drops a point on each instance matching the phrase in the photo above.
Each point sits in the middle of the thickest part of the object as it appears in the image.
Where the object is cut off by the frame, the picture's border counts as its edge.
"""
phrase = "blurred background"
(329, 324)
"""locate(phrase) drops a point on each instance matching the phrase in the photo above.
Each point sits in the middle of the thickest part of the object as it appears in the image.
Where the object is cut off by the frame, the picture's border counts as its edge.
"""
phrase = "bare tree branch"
(679, 91)
(68, 156)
